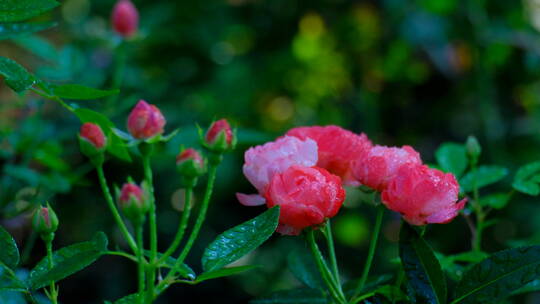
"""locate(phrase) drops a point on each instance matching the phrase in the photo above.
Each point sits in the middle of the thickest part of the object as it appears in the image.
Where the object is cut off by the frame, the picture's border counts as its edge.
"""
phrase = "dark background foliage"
(405, 72)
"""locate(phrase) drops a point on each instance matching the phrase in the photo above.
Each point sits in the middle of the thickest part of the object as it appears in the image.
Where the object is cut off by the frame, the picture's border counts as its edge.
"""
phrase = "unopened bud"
(219, 137)
(125, 18)
(473, 147)
(145, 121)
(133, 201)
(45, 220)
(92, 142)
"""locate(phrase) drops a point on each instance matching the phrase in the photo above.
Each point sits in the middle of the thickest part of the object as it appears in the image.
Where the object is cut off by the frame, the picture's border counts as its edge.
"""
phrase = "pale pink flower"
(262, 162)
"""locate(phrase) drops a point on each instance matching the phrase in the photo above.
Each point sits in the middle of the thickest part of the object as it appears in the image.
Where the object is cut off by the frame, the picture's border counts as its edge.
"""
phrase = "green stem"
(181, 227)
(118, 73)
(151, 278)
(53, 97)
(323, 269)
(332, 253)
(140, 263)
(53, 291)
(480, 216)
(114, 211)
(371, 252)
(196, 228)
(123, 254)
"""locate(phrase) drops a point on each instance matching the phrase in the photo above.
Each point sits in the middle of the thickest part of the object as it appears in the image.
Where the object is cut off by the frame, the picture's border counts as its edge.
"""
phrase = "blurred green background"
(404, 72)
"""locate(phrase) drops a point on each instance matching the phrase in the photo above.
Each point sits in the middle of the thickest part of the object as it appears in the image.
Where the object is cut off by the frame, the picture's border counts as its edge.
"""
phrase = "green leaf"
(452, 158)
(8, 281)
(12, 30)
(496, 201)
(496, 277)
(170, 262)
(16, 77)
(527, 179)
(224, 272)
(19, 10)
(483, 176)
(80, 92)
(532, 286)
(68, 261)
(294, 296)
(9, 254)
(115, 144)
(302, 265)
(38, 46)
(421, 267)
(240, 240)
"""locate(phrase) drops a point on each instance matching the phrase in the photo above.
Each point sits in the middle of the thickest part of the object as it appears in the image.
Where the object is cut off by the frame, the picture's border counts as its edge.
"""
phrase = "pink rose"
(145, 121)
(262, 162)
(423, 195)
(382, 163)
(338, 148)
(307, 196)
(125, 18)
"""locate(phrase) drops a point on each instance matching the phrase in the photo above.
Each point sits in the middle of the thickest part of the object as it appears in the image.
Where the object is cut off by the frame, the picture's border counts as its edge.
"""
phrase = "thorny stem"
(114, 211)
(53, 290)
(196, 228)
(181, 227)
(372, 247)
(334, 291)
(151, 278)
(140, 263)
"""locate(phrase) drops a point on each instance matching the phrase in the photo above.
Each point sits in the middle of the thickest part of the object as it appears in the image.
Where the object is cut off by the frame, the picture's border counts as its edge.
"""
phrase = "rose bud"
(92, 142)
(338, 149)
(125, 18)
(145, 121)
(133, 201)
(262, 162)
(219, 137)
(45, 221)
(307, 196)
(190, 164)
(382, 163)
(423, 195)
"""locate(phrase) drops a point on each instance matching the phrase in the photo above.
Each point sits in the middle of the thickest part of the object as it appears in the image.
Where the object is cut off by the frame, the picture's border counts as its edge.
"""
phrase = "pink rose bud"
(133, 201)
(262, 162)
(423, 195)
(145, 121)
(381, 164)
(45, 220)
(190, 163)
(219, 137)
(307, 196)
(93, 134)
(338, 149)
(125, 18)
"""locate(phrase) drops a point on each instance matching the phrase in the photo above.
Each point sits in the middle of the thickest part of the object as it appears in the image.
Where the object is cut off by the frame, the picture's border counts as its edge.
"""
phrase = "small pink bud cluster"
(303, 172)
(125, 18)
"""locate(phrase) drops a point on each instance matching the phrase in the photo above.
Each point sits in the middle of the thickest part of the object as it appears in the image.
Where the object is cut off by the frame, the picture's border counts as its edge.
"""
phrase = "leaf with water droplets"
(527, 179)
(423, 271)
(240, 240)
(452, 158)
(496, 277)
(9, 254)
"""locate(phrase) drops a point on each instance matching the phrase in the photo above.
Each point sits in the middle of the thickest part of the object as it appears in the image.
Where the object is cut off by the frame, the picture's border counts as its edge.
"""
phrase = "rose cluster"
(304, 172)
